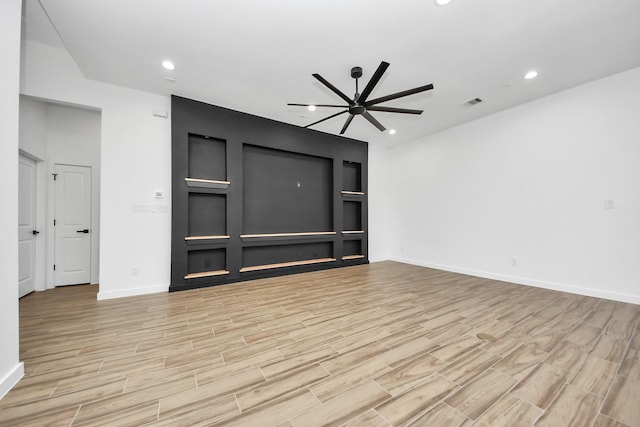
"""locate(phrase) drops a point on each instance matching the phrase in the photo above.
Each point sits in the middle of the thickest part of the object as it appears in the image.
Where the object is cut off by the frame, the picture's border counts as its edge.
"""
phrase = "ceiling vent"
(473, 102)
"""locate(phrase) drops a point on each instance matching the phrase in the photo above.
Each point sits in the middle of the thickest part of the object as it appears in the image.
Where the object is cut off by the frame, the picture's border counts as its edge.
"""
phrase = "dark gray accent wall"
(254, 198)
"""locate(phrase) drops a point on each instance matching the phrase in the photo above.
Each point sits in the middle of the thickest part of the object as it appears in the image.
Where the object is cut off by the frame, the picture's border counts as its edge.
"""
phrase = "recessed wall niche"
(352, 249)
(253, 198)
(352, 216)
(202, 263)
(207, 214)
(279, 256)
(351, 176)
(207, 158)
(285, 192)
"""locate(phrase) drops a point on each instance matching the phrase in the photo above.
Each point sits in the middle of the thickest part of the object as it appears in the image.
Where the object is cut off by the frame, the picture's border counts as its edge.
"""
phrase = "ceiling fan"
(359, 105)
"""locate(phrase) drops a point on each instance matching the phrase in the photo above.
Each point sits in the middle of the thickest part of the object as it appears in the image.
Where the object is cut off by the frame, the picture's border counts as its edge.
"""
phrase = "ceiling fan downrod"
(356, 73)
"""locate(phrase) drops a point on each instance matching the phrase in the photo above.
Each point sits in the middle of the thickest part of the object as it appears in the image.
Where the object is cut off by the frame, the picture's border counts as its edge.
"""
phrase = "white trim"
(379, 259)
(42, 260)
(614, 296)
(121, 293)
(11, 379)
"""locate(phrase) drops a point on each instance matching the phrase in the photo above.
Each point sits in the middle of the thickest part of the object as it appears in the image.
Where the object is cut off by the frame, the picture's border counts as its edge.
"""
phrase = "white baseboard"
(379, 259)
(614, 296)
(11, 379)
(132, 292)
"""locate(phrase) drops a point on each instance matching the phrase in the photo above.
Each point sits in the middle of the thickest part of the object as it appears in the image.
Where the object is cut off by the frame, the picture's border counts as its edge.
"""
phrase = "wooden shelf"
(191, 238)
(353, 232)
(206, 183)
(314, 233)
(352, 193)
(348, 257)
(206, 274)
(285, 264)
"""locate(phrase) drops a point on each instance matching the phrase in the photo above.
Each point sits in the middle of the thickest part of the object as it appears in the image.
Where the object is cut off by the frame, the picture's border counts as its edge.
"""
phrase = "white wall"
(135, 162)
(61, 134)
(33, 135)
(11, 370)
(31, 142)
(528, 186)
(378, 200)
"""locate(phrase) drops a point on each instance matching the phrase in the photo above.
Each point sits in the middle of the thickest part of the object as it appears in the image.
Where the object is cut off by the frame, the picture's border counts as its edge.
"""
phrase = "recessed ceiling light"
(442, 2)
(311, 108)
(531, 75)
(168, 65)
(392, 131)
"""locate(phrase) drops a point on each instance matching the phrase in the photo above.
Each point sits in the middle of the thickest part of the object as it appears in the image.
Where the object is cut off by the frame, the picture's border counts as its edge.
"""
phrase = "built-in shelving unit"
(352, 225)
(206, 194)
(353, 230)
(255, 198)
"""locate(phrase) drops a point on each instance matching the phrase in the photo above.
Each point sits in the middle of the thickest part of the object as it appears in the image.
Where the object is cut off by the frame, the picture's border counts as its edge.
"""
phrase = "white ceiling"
(256, 56)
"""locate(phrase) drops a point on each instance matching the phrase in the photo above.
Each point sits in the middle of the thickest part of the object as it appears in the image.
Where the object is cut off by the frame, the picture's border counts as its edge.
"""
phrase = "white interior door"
(72, 225)
(26, 226)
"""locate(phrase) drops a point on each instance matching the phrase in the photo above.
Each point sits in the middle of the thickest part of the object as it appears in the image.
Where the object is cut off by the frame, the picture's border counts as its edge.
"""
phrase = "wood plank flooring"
(385, 344)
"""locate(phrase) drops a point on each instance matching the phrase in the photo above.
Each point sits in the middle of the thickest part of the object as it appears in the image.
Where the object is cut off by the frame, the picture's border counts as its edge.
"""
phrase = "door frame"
(41, 220)
(60, 168)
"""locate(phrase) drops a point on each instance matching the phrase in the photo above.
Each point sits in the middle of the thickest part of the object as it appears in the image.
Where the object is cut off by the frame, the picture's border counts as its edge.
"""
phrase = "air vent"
(474, 101)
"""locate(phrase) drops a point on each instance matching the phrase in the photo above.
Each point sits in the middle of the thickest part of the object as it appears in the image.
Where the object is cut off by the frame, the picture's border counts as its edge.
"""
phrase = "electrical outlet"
(608, 204)
(135, 271)
(514, 262)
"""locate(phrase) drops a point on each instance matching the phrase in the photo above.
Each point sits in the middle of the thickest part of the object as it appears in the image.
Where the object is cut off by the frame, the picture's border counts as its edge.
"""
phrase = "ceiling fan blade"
(333, 88)
(318, 105)
(373, 121)
(326, 118)
(394, 110)
(399, 95)
(346, 124)
(373, 82)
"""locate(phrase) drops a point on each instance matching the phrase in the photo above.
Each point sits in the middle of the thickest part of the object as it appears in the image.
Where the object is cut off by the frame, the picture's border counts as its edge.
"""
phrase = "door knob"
(85, 231)
(34, 232)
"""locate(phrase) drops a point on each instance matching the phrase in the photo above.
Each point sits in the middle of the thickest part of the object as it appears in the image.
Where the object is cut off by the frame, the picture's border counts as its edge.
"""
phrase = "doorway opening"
(65, 139)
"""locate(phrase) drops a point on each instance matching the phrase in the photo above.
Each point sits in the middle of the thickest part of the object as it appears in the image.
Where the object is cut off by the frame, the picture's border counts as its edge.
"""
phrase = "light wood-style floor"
(373, 345)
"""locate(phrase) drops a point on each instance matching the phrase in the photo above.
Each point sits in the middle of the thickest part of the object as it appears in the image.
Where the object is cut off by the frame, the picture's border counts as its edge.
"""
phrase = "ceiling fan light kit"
(360, 105)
